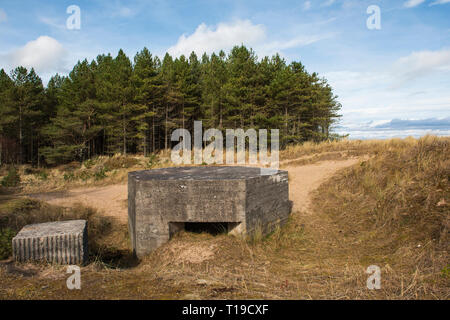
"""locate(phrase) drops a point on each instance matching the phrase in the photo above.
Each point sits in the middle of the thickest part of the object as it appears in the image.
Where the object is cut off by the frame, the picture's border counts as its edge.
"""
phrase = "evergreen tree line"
(112, 105)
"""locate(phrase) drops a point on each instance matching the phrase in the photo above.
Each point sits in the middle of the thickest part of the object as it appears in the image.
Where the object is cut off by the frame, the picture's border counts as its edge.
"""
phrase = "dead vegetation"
(394, 209)
(346, 147)
(97, 171)
(389, 210)
(104, 170)
(106, 237)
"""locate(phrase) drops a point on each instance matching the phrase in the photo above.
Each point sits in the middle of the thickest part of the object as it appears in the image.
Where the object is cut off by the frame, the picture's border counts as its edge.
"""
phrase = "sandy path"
(305, 179)
(109, 200)
(112, 200)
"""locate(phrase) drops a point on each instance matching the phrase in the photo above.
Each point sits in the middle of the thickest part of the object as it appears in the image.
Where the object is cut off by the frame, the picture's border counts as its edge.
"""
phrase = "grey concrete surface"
(62, 242)
(160, 201)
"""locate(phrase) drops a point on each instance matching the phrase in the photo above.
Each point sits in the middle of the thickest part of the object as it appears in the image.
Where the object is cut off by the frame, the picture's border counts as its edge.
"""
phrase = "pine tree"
(6, 120)
(24, 110)
(111, 105)
(240, 100)
(215, 78)
(171, 96)
(147, 92)
(72, 131)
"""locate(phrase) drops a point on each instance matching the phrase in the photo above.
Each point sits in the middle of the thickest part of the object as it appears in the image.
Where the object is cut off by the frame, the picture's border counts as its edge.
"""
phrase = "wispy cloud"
(412, 3)
(3, 16)
(124, 12)
(366, 95)
(226, 35)
(307, 5)
(115, 8)
(52, 22)
(421, 63)
(439, 2)
(328, 3)
(299, 41)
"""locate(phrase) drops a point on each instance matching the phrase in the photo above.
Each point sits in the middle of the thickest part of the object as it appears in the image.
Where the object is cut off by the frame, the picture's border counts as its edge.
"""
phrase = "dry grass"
(98, 171)
(391, 211)
(104, 170)
(346, 147)
(106, 238)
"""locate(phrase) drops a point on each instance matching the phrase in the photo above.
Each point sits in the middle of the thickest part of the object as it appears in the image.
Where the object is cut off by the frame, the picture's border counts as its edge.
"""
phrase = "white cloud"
(412, 3)
(421, 63)
(45, 55)
(226, 35)
(307, 5)
(367, 96)
(439, 2)
(3, 16)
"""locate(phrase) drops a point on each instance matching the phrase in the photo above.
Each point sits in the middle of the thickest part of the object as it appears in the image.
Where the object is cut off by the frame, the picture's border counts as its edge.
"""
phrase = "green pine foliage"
(12, 179)
(113, 105)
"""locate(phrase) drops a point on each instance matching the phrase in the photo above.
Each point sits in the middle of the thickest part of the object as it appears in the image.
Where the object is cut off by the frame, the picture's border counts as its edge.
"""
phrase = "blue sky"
(401, 71)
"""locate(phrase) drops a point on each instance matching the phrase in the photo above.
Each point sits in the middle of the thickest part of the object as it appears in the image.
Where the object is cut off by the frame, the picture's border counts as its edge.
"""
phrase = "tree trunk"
(31, 148)
(286, 121)
(165, 129)
(124, 136)
(220, 113)
(20, 135)
(153, 130)
(38, 160)
(183, 112)
(145, 143)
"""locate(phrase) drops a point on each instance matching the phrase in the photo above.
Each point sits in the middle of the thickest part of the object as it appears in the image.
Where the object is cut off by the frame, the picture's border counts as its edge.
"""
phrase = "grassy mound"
(395, 208)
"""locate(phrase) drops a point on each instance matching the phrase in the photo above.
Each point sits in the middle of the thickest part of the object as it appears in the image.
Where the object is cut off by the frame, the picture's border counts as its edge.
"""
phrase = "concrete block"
(62, 242)
(162, 201)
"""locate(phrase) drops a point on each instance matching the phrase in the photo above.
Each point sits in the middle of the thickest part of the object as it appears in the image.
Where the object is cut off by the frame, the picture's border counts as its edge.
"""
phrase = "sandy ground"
(108, 200)
(305, 179)
(112, 200)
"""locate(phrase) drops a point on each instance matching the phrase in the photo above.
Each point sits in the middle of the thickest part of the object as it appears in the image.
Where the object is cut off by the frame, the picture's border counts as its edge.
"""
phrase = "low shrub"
(69, 176)
(12, 179)
(152, 160)
(100, 174)
(119, 162)
(6, 236)
(43, 175)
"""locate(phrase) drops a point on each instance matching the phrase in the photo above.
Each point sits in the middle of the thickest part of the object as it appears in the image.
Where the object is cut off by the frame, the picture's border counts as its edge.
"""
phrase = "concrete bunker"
(232, 199)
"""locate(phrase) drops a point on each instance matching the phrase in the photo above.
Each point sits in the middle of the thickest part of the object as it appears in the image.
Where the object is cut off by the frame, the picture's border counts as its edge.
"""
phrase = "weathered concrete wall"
(161, 200)
(267, 202)
(61, 242)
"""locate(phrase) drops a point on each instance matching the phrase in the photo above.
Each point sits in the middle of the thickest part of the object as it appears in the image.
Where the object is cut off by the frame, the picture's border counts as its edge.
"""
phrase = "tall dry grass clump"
(349, 147)
(396, 208)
